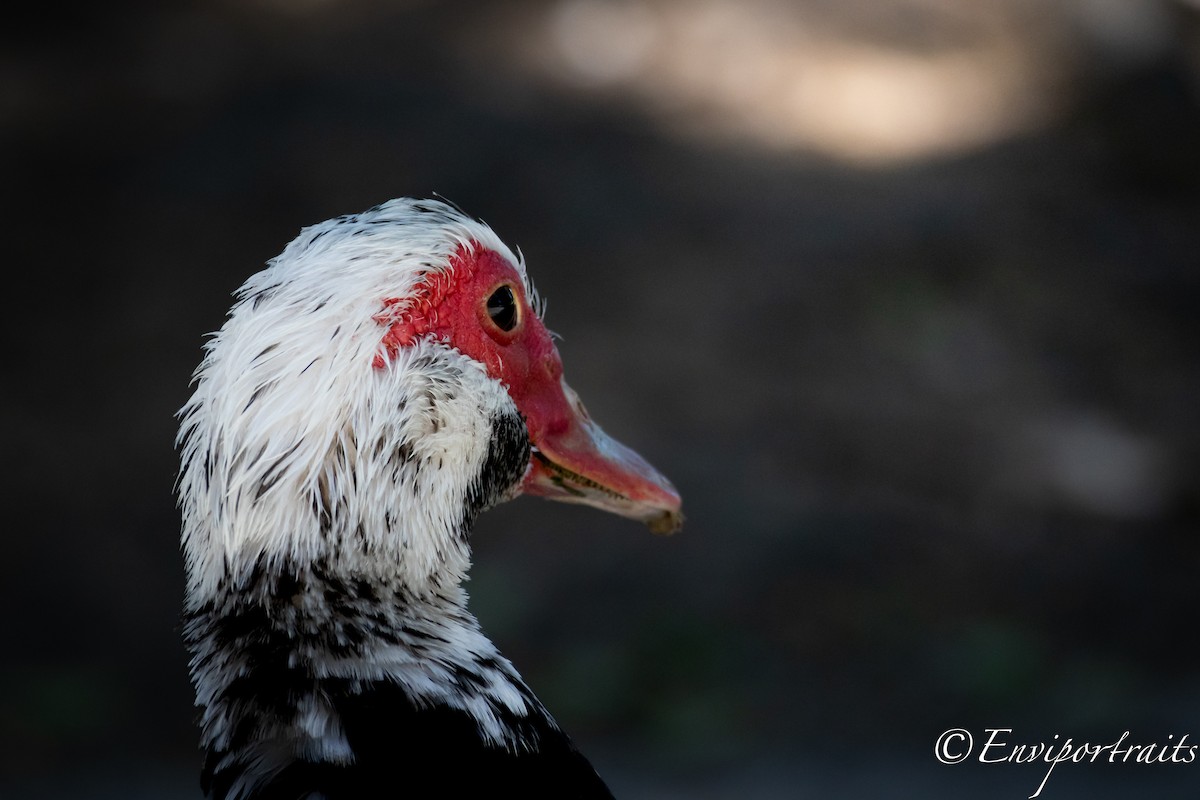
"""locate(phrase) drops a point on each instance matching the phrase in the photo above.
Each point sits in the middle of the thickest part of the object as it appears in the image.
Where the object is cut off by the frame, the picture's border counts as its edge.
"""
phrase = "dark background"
(901, 294)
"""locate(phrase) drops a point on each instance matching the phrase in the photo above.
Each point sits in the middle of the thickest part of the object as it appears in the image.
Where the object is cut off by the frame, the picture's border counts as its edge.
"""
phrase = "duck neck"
(273, 656)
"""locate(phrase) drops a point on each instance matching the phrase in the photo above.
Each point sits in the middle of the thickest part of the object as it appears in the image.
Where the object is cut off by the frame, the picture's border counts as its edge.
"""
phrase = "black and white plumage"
(384, 380)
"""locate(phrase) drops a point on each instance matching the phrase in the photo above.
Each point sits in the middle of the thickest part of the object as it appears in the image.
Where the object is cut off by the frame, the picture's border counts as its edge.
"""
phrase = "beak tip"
(666, 522)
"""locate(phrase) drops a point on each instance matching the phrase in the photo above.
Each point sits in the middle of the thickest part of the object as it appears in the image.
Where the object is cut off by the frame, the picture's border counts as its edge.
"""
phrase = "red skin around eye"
(451, 305)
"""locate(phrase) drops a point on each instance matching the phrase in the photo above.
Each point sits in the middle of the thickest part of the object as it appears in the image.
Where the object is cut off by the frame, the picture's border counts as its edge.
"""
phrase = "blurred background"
(901, 293)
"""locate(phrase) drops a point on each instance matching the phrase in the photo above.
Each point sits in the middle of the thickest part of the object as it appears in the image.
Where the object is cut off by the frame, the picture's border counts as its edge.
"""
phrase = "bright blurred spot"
(1087, 462)
(866, 103)
(866, 82)
(602, 42)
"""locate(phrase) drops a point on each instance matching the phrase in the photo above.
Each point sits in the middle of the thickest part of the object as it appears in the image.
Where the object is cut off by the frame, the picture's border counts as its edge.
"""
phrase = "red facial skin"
(573, 459)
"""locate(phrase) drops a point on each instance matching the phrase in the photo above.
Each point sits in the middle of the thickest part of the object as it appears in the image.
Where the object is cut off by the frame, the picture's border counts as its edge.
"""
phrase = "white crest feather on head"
(285, 428)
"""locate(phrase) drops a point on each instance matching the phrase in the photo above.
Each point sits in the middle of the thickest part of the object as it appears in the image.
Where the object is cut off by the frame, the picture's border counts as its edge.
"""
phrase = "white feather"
(287, 388)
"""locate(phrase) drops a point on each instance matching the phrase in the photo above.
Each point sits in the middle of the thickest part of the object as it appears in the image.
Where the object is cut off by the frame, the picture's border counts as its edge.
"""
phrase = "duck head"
(382, 381)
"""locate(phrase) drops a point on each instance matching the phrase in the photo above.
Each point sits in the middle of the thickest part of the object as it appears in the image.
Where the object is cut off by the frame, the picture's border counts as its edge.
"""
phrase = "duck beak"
(574, 461)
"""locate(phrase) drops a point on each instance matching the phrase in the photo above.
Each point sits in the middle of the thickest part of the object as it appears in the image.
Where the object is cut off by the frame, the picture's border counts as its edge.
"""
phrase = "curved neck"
(275, 659)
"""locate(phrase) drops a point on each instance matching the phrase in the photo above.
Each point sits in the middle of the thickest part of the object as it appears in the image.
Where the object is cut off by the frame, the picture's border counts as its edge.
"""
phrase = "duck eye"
(502, 308)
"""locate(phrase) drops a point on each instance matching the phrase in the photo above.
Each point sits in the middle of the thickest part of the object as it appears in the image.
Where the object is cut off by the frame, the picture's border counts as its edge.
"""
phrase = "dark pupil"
(502, 308)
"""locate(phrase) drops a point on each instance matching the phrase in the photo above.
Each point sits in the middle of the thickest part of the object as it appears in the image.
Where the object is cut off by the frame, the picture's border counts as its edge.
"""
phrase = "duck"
(374, 388)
